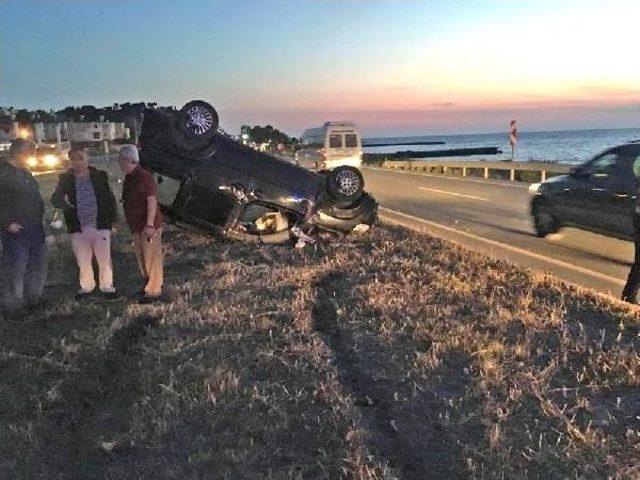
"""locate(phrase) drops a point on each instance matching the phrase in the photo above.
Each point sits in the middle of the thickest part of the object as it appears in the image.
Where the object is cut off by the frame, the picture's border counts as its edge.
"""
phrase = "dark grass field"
(390, 355)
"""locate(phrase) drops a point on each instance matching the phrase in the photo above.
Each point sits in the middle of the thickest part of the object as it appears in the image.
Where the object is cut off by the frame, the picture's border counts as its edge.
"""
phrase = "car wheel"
(199, 119)
(345, 185)
(544, 220)
(197, 124)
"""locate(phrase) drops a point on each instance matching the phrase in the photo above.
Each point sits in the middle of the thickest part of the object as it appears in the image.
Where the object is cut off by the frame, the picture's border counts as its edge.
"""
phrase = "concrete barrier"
(513, 171)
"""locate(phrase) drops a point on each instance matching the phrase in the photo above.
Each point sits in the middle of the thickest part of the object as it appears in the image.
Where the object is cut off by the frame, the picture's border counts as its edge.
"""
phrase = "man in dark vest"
(24, 263)
(90, 209)
(630, 290)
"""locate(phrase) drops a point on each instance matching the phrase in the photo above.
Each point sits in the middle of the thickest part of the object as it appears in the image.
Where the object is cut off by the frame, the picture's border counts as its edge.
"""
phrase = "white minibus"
(330, 146)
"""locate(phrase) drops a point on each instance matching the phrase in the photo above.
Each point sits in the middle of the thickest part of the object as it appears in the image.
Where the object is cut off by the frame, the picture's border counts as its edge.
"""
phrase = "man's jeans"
(24, 266)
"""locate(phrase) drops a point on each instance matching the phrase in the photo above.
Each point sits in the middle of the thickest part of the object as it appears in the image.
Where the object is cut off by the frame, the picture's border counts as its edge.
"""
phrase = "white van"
(330, 146)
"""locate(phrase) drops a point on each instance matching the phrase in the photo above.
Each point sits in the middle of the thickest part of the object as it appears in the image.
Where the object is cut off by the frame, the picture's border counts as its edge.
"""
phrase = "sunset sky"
(396, 67)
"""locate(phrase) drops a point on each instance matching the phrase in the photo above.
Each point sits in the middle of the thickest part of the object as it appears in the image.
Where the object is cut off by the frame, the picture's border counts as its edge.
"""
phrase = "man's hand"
(68, 202)
(149, 232)
(15, 228)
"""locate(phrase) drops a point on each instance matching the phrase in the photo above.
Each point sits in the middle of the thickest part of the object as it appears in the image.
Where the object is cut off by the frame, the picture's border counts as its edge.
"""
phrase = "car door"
(611, 193)
(574, 200)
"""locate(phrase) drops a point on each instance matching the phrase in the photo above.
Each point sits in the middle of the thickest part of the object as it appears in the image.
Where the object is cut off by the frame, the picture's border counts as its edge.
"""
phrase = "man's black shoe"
(83, 296)
(110, 295)
(148, 300)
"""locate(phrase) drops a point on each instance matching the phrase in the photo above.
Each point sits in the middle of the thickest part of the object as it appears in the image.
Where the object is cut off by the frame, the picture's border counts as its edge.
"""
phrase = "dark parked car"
(47, 158)
(210, 181)
(599, 195)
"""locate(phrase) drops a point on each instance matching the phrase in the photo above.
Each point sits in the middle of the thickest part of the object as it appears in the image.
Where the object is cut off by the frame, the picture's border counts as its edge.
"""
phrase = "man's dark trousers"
(630, 291)
(24, 266)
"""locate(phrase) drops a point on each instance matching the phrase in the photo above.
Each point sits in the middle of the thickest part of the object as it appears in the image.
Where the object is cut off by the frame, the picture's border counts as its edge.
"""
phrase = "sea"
(571, 146)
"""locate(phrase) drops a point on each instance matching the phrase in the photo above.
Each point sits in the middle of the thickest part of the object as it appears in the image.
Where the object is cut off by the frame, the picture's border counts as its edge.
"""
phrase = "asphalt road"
(492, 217)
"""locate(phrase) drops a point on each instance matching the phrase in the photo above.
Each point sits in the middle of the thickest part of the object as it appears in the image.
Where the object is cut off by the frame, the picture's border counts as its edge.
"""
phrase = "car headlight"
(51, 160)
(534, 188)
(32, 162)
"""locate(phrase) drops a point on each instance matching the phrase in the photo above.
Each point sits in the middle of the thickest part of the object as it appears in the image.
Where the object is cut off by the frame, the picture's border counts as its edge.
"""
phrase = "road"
(492, 217)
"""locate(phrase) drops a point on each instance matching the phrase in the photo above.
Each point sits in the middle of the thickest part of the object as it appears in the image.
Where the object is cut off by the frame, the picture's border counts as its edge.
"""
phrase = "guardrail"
(514, 171)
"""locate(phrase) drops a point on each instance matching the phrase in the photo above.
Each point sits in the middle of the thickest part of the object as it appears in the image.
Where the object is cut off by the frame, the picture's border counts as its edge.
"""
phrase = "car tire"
(345, 220)
(197, 124)
(198, 118)
(544, 220)
(345, 185)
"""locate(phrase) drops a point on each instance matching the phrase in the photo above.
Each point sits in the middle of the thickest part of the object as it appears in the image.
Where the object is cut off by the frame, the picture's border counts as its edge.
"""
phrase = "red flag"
(513, 134)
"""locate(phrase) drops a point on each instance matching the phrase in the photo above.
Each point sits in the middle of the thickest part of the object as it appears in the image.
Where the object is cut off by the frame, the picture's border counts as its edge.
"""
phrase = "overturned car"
(208, 180)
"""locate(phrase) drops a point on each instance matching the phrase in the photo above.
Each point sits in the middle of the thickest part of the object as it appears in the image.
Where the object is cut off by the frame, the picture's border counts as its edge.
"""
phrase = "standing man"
(144, 219)
(90, 209)
(24, 262)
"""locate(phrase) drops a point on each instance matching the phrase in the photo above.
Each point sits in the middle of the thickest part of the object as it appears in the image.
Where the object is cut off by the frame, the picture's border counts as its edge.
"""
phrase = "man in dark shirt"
(144, 219)
(630, 290)
(90, 209)
(21, 231)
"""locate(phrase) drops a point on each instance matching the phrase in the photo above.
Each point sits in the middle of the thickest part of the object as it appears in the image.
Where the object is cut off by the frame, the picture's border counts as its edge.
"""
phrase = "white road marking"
(434, 190)
(447, 177)
(511, 248)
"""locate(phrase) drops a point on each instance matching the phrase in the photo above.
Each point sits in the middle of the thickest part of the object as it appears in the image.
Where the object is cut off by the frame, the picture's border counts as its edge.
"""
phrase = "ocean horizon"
(563, 146)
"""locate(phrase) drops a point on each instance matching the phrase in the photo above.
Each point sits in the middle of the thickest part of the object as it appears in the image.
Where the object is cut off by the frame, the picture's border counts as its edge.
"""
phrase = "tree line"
(122, 113)
(118, 112)
(267, 134)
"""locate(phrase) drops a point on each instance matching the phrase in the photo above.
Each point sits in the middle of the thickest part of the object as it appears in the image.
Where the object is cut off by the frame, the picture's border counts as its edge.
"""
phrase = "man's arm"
(58, 196)
(152, 210)
(6, 206)
(150, 189)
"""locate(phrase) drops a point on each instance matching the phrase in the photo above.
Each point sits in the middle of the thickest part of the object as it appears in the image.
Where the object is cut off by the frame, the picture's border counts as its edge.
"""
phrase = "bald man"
(145, 221)
(21, 231)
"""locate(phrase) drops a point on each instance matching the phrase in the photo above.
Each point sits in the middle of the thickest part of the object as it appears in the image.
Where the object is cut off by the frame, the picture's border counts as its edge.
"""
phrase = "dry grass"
(390, 355)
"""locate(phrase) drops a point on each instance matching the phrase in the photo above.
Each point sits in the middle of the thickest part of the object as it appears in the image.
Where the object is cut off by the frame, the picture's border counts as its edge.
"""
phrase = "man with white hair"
(140, 202)
(24, 262)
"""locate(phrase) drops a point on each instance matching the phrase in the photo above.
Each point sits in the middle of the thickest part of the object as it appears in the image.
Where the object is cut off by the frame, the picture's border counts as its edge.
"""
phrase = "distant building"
(81, 132)
(9, 131)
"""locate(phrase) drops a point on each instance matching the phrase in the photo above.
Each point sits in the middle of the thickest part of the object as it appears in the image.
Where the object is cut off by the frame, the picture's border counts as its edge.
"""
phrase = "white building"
(81, 131)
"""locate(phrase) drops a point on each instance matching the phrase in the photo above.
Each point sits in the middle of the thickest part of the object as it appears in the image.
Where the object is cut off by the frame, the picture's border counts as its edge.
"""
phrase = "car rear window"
(335, 140)
(351, 140)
